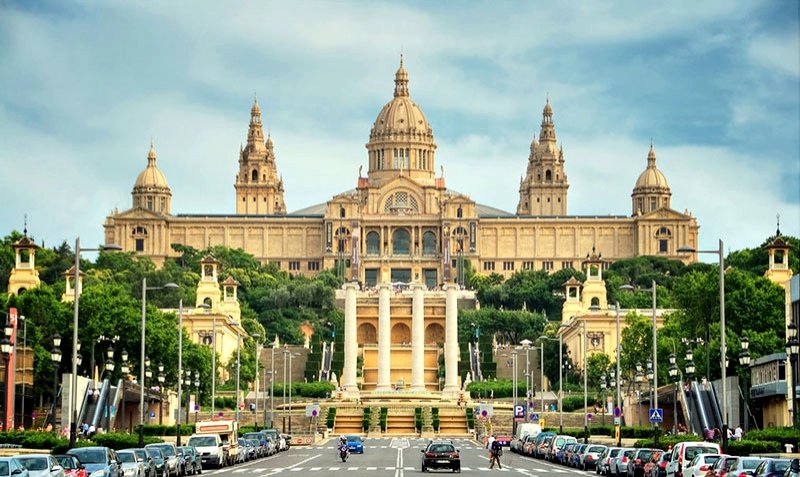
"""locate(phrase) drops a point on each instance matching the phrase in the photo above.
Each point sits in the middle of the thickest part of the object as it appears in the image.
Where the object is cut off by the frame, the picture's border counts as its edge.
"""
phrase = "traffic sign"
(519, 411)
(312, 410)
(656, 415)
(617, 421)
(589, 416)
(534, 418)
(617, 411)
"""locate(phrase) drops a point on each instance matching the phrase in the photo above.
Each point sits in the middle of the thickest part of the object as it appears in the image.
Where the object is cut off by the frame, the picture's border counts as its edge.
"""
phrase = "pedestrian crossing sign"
(656, 415)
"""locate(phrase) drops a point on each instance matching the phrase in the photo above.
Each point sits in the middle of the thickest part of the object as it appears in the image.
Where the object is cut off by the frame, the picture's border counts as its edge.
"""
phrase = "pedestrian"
(494, 454)
(737, 434)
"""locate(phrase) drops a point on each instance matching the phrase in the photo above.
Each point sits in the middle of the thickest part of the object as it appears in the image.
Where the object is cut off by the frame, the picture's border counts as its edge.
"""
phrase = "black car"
(192, 458)
(158, 457)
(441, 455)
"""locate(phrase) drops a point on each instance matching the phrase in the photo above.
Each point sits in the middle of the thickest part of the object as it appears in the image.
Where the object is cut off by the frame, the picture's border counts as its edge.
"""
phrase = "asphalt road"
(396, 457)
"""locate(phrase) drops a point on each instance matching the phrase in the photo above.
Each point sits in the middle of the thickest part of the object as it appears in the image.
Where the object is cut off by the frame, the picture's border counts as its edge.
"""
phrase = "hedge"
(31, 439)
(502, 388)
(365, 420)
(330, 419)
(384, 418)
(163, 430)
(782, 435)
(435, 418)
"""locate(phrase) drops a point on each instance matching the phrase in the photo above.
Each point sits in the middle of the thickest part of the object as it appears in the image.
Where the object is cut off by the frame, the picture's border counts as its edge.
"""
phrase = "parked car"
(659, 465)
(542, 444)
(564, 454)
(591, 456)
(440, 455)
(721, 466)
(620, 465)
(243, 455)
(528, 444)
(556, 443)
(284, 442)
(700, 465)
(603, 466)
(148, 461)
(131, 466)
(158, 457)
(684, 452)
(576, 455)
(170, 456)
(793, 470)
(638, 460)
(355, 444)
(11, 467)
(772, 468)
(192, 458)
(98, 458)
(41, 465)
(744, 467)
(72, 466)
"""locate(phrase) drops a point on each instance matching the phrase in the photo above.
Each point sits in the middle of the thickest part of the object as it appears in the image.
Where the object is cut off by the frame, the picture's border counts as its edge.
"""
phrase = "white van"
(684, 452)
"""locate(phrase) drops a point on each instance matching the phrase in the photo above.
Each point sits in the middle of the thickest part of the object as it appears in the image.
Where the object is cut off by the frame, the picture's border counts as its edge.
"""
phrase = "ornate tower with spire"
(24, 275)
(543, 190)
(652, 190)
(259, 188)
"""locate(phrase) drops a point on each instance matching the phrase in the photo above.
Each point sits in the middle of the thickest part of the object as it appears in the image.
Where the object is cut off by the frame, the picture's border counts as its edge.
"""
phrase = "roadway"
(395, 457)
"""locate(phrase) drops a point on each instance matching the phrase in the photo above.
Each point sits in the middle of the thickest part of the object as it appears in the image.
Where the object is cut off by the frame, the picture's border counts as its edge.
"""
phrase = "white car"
(131, 465)
(700, 465)
(41, 465)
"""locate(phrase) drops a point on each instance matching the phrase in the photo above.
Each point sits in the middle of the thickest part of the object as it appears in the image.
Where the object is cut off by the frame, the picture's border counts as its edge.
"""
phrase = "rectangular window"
(527, 265)
(149, 203)
(662, 246)
(508, 266)
(640, 204)
(653, 204)
(547, 265)
(140, 245)
(401, 275)
(431, 277)
(488, 266)
(313, 266)
(371, 277)
(163, 204)
(396, 159)
(294, 265)
(566, 265)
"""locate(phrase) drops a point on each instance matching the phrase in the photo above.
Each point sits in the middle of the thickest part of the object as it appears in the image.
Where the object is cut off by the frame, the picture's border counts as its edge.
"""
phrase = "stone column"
(451, 385)
(384, 339)
(350, 338)
(418, 338)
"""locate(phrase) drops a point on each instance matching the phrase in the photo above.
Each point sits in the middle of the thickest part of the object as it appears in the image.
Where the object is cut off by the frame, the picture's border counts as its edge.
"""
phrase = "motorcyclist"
(344, 449)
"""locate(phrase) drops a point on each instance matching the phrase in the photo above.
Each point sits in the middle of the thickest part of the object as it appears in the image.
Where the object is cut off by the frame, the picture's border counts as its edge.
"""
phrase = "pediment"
(664, 213)
(140, 214)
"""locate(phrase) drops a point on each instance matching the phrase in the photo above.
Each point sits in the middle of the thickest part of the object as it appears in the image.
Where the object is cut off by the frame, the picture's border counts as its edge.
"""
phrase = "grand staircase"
(348, 421)
(400, 421)
(452, 422)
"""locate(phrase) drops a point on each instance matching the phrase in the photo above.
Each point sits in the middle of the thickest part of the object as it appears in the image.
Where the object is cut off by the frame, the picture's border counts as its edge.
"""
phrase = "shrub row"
(162, 430)
(330, 419)
(365, 420)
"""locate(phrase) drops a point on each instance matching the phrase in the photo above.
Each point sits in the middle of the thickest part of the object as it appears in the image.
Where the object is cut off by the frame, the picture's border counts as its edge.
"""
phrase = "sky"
(715, 85)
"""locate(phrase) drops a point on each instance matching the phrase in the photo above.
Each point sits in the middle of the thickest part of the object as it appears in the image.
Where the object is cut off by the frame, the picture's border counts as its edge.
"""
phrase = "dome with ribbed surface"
(401, 117)
(651, 177)
(151, 177)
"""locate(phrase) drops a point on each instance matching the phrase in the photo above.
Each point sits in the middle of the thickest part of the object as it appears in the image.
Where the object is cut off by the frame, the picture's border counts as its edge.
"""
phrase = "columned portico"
(418, 338)
(350, 338)
(384, 339)
(451, 384)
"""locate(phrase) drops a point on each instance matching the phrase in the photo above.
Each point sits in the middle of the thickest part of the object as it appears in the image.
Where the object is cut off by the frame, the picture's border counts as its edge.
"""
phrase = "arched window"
(255, 175)
(400, 242)
(429, 244)
(595, 301)
(548, 176)
(373, 243)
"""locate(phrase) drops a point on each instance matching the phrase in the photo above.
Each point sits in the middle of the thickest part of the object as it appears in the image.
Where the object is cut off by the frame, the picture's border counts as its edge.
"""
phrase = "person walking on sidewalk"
(495, 452)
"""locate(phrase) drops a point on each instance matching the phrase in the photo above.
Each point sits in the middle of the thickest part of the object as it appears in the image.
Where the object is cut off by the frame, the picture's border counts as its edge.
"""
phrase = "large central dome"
(401, 140)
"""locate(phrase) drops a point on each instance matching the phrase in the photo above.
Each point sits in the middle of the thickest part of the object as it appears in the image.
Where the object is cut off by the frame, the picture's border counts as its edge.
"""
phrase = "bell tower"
(543, 190)
(259, 188)
(24, 275)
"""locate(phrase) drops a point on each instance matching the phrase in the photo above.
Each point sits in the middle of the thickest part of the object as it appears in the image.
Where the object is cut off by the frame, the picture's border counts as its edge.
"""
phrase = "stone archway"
(367, 334)
(434, 334)
(401, 334)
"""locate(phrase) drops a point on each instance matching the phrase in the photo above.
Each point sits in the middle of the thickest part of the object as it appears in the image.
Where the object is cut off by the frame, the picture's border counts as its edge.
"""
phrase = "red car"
(72, 466)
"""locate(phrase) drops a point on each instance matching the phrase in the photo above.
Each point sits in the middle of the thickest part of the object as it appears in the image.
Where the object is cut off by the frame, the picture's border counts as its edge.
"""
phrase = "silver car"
(619, 466)
(171, 467)
(132, 466)
(41, 465)
(11, 467)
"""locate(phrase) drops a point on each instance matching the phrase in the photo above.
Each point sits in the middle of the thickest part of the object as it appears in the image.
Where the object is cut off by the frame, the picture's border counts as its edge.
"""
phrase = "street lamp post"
(180, 372)
(792, 349)
(125, 369)
(638, 378)
(744, 362)
(238, 370)
(514, 391)
(290, 389)
(55, 357)
(526, 345)
(603, 390)
(256, 338)
(109, 369)
(161, 379)
(5, 348)
(285, 354)
(673, 376)
(585, 387)
(614, 384)
(73, 400)
(196, 395)
(142, 355)
(271, 391)
(723, 350)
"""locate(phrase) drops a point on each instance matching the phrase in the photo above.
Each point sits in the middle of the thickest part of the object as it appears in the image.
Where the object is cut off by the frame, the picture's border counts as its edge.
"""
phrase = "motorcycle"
(344, 452)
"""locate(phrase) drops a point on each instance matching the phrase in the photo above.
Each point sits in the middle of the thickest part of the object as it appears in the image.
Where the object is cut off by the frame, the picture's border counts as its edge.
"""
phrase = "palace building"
(401, 223)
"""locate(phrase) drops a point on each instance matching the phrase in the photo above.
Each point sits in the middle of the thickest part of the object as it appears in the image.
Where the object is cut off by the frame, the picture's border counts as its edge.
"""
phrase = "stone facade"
(401, 223)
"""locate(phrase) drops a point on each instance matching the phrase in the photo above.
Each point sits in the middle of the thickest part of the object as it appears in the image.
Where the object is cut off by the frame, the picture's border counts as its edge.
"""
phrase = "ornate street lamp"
(673, 377)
